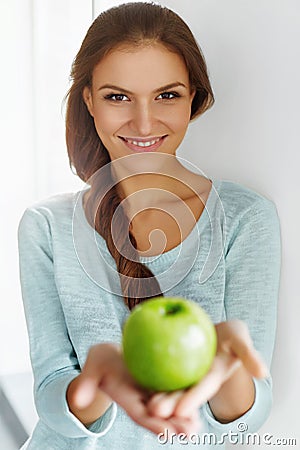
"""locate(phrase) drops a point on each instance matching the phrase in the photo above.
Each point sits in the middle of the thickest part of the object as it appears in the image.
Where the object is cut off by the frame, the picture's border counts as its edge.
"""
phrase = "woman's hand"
(104, 372)
(235, 350)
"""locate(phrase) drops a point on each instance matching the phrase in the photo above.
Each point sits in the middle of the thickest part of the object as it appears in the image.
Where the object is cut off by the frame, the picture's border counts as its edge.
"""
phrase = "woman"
(87, 259)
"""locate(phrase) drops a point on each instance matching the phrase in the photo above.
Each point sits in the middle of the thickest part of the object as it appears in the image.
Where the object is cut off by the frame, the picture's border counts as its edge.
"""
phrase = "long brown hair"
(133, 24)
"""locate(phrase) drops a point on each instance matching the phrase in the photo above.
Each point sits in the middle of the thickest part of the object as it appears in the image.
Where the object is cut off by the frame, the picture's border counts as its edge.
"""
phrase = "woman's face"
(140, 100)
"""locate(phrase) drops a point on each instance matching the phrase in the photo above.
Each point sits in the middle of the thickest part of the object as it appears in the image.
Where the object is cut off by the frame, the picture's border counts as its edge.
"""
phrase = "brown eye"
(168, 95)
(116, 97)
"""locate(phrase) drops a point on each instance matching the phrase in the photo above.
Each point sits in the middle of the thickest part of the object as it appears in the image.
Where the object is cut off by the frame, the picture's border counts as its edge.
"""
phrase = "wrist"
(235, 397)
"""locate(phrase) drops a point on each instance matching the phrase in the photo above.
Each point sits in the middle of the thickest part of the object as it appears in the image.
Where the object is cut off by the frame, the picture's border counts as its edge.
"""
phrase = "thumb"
(86, 392)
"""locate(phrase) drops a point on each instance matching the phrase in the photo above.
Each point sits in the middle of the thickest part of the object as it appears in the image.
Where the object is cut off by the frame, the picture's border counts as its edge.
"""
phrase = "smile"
(143, 143)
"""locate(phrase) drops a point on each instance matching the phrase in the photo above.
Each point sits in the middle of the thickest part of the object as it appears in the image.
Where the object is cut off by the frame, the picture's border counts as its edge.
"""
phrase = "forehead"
(141, 67)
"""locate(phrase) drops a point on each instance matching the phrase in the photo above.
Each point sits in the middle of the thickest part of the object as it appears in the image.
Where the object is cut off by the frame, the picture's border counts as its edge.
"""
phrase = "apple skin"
(169, 343)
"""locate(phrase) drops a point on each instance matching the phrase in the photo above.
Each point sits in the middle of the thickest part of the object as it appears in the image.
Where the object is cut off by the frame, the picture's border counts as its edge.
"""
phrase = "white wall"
(249, 136)
(38, 43)
(17, 162)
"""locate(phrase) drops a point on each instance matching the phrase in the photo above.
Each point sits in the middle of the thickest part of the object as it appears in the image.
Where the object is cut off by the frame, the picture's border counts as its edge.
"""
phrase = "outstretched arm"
(239, 377)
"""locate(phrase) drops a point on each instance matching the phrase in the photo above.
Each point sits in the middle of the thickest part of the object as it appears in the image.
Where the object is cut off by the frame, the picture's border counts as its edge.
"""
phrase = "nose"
(143, 119)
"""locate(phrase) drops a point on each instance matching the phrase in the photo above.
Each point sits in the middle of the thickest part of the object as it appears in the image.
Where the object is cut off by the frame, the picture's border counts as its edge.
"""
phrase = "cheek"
(106, 121)
(179, 119)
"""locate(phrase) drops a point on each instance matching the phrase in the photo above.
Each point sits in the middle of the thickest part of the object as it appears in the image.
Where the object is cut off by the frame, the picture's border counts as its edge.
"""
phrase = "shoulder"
(45, 213)
(248, 213)
(239, 200)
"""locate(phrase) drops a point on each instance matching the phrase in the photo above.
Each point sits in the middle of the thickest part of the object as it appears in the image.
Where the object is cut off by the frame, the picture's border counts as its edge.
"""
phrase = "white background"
(250, 136)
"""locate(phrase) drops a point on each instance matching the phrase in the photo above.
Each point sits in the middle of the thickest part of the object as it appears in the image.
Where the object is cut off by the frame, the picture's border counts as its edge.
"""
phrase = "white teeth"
(143, 144)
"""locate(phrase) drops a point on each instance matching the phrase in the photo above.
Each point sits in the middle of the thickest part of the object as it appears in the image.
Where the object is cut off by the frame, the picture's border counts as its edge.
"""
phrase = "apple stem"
(173, 309)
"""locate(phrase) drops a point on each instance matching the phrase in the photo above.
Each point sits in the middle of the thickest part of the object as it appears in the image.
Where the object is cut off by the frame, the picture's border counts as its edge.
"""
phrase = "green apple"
(168, 343)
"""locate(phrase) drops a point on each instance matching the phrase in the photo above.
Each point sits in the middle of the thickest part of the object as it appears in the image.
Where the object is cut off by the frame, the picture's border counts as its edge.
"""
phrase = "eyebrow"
(162, 88)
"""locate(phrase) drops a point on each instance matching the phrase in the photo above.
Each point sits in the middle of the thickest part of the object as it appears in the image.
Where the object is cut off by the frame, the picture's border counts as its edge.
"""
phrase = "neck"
(152, 182)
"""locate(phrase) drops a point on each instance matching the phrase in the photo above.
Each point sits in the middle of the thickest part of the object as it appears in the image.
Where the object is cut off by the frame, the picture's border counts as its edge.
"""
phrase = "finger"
(223, 367)
(85, 393)
(163, 404)
(187, 426)
(133, 402)
(125, 392)
(241, 344)
(263, 371)
(156, 424)
(250, 358)
(139, 413)
(89, 379)
(174, 425)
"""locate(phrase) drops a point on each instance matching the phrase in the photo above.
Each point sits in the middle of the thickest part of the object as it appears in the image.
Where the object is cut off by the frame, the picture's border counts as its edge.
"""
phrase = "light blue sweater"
(229, 264)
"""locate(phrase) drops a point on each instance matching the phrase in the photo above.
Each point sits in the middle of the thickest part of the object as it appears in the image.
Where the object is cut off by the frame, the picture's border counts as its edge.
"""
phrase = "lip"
(139, 149)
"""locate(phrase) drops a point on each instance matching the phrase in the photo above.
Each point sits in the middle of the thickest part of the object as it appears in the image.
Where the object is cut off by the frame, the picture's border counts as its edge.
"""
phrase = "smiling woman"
(138, 80)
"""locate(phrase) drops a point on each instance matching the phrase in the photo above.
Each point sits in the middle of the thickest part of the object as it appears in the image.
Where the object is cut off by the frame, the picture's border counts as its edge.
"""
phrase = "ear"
(192, 94)
(87, 98)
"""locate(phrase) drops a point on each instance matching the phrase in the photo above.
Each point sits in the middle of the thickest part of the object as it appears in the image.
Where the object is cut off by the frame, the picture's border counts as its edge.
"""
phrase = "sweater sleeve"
(252, 268)
(53, 358)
